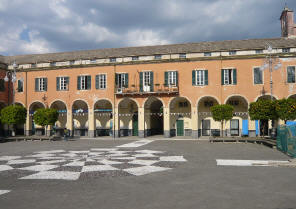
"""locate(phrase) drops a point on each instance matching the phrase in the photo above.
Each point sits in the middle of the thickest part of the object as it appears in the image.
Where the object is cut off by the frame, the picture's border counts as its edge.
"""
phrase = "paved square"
(160, 175)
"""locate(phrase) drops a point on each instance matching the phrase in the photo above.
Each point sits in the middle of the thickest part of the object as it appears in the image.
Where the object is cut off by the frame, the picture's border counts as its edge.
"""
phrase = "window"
(62, 83)
(135, 58)
(121, 81)
(146, 81)
(232, 53)
(259, 51)
(33, 65)
(182, 55)
(258, 76)
(112, 59)
(20, 86)
(101, 81)
(72, 62)
(228, 77)
(291, 74)
(84, 82)
(199, 77)
(2, 85)
(207, 54)
(53, 64)
(171, 78)
(93, 61)
(183, 104)
(40, 84)
(286, 50)
(157, 57)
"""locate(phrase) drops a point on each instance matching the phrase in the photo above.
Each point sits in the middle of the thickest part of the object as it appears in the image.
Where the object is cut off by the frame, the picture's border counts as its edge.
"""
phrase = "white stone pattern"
(72, 165)
(232, 162)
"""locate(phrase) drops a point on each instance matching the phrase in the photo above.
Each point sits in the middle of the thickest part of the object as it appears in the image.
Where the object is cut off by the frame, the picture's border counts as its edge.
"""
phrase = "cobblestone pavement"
(141, 174)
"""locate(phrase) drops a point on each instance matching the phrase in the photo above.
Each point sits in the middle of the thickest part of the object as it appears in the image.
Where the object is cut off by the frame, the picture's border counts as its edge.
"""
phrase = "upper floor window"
(101, 81)
(2, 85)
(121, 81)
(135, 58)
(93, 61)
(112, 59)
(200, 77)
(182, 55)
(33, 65)
(259, 51)
(146, 81)
(84, 82)
(232, 53)
(71, 62)
(291, 74)
(228, 77)
(20, 85)
(53, 64)
(157, 57)
(286, 50)
(62, 83)
(171, 78)
(207, 54)
(40, 84)
(258, 75)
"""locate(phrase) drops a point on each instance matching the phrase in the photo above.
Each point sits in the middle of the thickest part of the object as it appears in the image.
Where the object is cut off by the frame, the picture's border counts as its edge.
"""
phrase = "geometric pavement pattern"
(95, 162)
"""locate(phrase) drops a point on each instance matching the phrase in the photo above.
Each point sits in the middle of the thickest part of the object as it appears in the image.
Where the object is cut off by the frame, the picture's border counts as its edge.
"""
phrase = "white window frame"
(121, 81)
(102, 81)
(83, 82)
(41, 84)
(226, 72)
(199, 77)
(172, 78)
(254, 76)
(63, 84)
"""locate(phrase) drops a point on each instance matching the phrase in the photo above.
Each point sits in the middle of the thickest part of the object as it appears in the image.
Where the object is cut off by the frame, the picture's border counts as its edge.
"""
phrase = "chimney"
(287, 23)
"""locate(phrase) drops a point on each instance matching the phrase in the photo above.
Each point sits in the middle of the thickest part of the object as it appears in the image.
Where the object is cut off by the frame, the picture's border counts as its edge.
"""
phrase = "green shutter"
(88, 82)
(36, 84)
(193, 77)
(291, 74)
(177, 78)
(126, 80)
(97, 82)
(19, 87)
(141, 81)
(2, 87)
(222, 77)
(166, 78)
(116, 79)
(151, 82)
(45, 84)
(68, 82)
(58, 83)
(234, 77)
(78, 82)
(206, 77)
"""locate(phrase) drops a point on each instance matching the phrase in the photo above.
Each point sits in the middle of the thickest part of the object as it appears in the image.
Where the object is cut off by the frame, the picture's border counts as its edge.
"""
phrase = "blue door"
(257, 127)
(245, 131)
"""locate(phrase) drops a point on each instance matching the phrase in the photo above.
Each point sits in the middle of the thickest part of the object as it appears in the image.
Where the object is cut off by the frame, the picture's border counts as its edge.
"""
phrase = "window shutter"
(291, 74)
(36, 84)
(151, 82)
(206, 77)
(19, 88)
(58, 83)
(177, 78)
(2, 87)
(141, 81)
(88, 82)
(97, 81)
(193, 77)
(78, 82)
(126, 80)
(45, 84)
(68, 82)
(222, 77)
(166, 78)
(234, 77)
(116, 79)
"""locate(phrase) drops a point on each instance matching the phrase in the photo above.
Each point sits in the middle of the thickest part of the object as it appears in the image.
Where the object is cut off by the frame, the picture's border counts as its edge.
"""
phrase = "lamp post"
(11, 75)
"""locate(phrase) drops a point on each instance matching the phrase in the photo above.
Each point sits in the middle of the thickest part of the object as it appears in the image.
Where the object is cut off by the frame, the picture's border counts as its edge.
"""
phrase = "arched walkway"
(206, 124)
(80, 118)
(59, 126)
(128, 117)
(180, 117)
(19, 128)
(103, 117)
(153, 109)
(35, 129)
(3, 128)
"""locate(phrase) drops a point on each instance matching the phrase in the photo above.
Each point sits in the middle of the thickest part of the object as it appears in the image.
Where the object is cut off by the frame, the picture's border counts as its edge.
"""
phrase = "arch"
(208, 96)
(102, 99)
(266, 95)
(19, 103)
(58, 100)
(177, 98)
(291, 95)
(127, 98)
(236, 95)
(153, 116)
(76, 100)
(36, 103)
(151, 97)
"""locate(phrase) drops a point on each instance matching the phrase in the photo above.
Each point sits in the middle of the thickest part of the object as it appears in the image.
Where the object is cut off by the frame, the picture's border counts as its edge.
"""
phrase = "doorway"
(206, 127)
(135, 125)
(234, 127)
(180, 127)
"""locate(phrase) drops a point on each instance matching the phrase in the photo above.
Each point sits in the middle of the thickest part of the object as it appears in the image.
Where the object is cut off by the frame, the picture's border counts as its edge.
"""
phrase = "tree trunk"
(222, 129)
(13, 130)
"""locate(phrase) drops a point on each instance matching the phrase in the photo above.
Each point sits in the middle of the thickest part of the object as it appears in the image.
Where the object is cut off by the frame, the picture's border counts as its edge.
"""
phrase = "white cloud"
(144, 38)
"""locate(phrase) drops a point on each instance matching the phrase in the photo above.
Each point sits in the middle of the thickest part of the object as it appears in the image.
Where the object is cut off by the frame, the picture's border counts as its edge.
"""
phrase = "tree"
(263, 110)
(286, 109)
(13, 115)
(45, 117)
(223, 112)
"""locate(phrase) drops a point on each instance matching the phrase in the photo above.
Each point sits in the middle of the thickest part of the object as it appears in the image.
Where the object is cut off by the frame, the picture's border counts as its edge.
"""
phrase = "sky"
(45, 26)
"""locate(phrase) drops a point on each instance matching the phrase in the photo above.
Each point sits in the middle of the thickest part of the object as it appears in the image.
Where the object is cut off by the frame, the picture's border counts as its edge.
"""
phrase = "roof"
(216, 46)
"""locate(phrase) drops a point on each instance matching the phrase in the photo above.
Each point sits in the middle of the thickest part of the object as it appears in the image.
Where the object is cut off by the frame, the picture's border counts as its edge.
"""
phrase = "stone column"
(28, 127)
(167, 122)
(194, 122)
(69, 124)
(252, 127)
(141, 113)
(116, 123)
(91, 124)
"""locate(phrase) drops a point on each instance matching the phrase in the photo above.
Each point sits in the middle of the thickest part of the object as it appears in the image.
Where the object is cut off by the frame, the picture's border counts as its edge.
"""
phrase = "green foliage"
(286, 109)
(222, 112)
(44, 117)
(263, 110)
(13, 114)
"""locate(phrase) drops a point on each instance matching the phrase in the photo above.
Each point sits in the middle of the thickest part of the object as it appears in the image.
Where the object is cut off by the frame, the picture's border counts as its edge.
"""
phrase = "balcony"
(158, 89)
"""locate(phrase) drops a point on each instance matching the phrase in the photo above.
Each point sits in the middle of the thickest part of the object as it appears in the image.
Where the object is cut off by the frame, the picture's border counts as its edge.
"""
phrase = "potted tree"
(222, 113)
(13, 115)
(45, 117)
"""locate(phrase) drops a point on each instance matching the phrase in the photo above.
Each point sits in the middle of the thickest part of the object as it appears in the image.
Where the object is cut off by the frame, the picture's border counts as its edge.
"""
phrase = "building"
(153, 90)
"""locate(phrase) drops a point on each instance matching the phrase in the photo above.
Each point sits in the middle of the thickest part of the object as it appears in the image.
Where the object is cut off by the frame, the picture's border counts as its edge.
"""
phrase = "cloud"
(67, 25)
